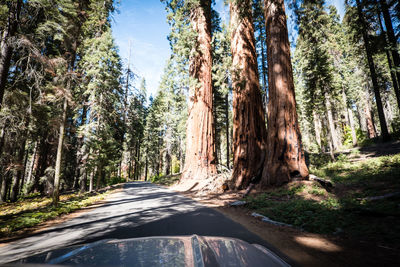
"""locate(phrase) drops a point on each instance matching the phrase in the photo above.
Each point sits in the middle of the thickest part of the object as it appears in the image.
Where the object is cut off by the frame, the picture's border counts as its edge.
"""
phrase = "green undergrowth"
(166, 180)
(344, 210)
(31, 211)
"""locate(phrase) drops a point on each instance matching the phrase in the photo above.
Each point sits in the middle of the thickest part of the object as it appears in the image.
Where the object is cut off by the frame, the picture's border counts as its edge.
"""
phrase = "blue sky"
(143, 24)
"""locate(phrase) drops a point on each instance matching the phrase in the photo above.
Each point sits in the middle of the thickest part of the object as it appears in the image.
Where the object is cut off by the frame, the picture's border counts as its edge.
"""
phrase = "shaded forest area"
(235, 98)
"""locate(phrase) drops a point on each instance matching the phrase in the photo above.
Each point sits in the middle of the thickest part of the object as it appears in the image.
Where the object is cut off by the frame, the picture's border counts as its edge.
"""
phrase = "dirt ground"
(306, 249)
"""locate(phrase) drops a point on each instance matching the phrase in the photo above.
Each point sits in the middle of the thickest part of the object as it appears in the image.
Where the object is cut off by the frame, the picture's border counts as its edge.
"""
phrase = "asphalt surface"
(139, 210)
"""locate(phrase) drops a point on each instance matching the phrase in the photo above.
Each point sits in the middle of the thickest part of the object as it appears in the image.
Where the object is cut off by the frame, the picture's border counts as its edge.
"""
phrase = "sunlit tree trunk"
(371, 65)
(60, 145)
(388, 110)
(249, 131)
(285, 157)
(331, 123)
(331, 148)
(352, 127)
(200, 145)
(91, 178)
(31, 163)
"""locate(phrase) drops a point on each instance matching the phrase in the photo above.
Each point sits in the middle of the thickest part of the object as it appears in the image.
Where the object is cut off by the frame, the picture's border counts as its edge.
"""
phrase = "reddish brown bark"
(368, 116)
(249, 131)
(200, 146)
(285, 156)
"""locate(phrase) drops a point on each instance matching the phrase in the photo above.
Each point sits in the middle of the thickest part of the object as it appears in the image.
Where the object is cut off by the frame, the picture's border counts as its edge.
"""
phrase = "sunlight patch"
(317, 243)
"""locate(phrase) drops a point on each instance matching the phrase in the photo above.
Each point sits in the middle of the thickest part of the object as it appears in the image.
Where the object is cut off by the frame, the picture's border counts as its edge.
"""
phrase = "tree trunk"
(31, 163)
(3, 137)
(4, 187)
(249, 131)
(60, 145)
(393, 72)
(381, 114)
(393, 47)
(331, 149)
(361, 119)
(200, 146)
(349, 118)
(83, 181)
(265, 85)
(317, 129)
(352, 127)
(18, 172)
(6, 48)
(285, 157)
(146, 166)
(25, 165)
(99, 176)
(227, 129)
(368, 116)
(138, 169)
(128, 177)
(81, 157)
(167, 166)
(331, 123)
(91, 178)
(388, 111)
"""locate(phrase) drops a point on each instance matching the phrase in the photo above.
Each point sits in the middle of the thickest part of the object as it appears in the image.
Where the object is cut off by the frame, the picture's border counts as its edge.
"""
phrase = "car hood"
(193, 250)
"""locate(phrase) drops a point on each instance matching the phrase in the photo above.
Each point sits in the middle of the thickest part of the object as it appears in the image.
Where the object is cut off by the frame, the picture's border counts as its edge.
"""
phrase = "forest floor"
(34, 212)
(355, 221)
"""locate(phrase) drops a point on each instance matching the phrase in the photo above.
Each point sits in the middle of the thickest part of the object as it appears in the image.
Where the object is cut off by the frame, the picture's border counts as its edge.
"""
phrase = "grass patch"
(166, 180)
(29, 212)
(373, 176)
(344, 210)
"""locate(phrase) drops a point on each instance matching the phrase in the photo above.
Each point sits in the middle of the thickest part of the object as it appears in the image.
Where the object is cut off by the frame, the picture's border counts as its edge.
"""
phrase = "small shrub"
(115, 180)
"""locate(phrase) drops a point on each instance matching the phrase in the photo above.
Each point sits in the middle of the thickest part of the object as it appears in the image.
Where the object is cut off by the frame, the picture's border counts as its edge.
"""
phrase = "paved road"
(140, 209)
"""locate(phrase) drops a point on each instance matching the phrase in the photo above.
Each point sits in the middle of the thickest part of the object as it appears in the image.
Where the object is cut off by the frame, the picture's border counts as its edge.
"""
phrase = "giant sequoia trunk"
(200, 147)
(5, 44)
(249, 132)
(381, 114)
(285, 156)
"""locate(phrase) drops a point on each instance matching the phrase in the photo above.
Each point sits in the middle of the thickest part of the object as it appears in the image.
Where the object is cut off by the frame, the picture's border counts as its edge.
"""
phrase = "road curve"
(140, 209)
